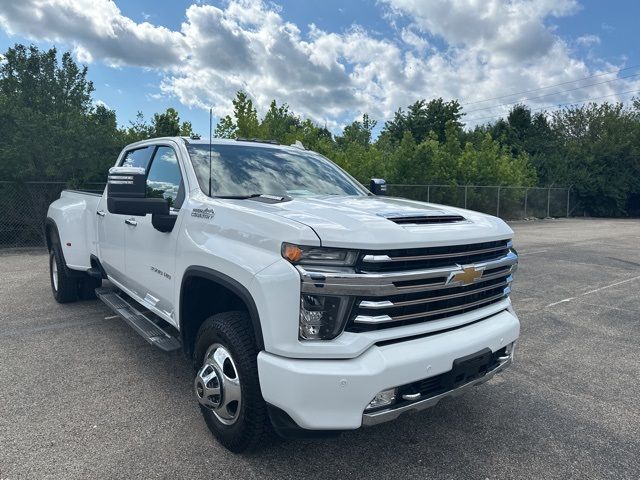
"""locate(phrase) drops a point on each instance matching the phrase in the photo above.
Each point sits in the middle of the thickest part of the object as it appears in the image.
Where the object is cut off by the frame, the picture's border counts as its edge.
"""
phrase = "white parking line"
(112, 317)
(594, 291)
(531, 253)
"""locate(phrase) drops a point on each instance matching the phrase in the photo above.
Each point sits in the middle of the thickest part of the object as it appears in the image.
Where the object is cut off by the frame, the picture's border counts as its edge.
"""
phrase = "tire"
(244, 427)
(63, 286)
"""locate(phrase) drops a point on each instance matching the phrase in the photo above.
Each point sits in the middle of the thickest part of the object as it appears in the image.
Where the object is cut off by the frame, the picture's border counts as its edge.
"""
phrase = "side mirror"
(126, 195)
(378, 186)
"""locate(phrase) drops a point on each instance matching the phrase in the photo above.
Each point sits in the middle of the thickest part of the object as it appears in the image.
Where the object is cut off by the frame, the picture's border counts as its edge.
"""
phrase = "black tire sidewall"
(52, 260)
(67, 290)
(228, 330)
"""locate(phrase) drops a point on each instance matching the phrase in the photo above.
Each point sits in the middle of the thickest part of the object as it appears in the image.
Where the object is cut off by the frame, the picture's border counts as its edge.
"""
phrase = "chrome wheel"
(217, 384)
(54, 272)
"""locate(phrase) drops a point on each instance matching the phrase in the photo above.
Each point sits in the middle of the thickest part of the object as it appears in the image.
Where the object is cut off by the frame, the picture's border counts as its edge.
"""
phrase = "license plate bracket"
(470, 367)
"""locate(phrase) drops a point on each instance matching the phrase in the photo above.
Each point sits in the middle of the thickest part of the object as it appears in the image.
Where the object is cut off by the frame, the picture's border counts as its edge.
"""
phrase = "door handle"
(101, 213)
(131, 221)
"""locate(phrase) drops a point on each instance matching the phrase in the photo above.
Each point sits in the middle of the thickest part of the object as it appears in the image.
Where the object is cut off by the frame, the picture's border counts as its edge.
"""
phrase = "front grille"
(433, 257)
(432, 292)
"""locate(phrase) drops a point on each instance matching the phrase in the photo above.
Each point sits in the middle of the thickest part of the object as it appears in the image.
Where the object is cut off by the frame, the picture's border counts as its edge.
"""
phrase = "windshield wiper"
(276, 198)
(239, 197)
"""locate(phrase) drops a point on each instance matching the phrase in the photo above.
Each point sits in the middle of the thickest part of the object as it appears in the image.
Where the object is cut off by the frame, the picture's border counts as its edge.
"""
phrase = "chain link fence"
(510, 203)
(25, 204)
(24, 209)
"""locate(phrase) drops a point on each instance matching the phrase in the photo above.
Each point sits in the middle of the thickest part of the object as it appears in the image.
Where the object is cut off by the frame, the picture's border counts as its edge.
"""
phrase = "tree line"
(52, 129)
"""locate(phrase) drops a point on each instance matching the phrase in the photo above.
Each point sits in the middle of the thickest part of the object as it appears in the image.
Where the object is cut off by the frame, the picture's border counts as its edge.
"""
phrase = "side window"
(164, 179)
(137, 158)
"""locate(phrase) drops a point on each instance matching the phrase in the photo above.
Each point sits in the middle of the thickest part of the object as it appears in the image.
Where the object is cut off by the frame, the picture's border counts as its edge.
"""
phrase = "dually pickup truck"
(307, 303)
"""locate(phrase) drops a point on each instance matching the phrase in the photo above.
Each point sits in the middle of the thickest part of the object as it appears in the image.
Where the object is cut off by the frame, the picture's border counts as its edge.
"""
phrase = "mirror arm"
(163, 222)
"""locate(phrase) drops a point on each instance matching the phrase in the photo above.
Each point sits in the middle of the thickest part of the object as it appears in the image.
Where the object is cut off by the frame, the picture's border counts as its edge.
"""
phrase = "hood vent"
(423, 218)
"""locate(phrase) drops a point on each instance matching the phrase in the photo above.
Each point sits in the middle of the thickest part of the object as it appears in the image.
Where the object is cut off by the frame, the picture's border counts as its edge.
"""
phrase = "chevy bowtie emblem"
(467, 276)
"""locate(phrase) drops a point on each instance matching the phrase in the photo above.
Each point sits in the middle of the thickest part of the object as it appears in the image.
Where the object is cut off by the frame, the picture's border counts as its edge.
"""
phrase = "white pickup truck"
(306, 303)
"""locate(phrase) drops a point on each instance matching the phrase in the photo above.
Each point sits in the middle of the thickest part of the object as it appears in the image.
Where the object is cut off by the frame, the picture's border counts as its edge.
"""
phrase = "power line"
(557, 106)
(554, 93)
(550, 86)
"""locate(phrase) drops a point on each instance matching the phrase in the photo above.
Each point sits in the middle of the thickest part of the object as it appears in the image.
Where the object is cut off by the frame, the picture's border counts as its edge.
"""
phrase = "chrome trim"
(386, 318)
(381, 416)
(411, 396)
(387, 258)
(120, 177)
(377, 258)
(380, 304)
(383, 284)
(217, 384)
(389, 304)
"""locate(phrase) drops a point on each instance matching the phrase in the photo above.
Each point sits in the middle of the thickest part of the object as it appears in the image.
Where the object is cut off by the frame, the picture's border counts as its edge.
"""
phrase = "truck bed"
(74, 213)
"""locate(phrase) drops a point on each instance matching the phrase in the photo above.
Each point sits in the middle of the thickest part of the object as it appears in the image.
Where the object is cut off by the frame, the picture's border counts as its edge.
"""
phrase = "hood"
(382, 222)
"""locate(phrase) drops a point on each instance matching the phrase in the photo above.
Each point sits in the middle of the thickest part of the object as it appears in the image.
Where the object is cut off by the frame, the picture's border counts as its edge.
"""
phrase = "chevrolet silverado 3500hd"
(306, 302)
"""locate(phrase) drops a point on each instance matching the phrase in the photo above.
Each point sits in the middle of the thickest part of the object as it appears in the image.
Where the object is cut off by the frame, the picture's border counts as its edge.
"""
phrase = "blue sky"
(333, 60)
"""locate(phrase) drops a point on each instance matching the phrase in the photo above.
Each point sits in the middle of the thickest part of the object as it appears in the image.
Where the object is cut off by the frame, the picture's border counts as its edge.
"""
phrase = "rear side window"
(138, 158)
(164, 179)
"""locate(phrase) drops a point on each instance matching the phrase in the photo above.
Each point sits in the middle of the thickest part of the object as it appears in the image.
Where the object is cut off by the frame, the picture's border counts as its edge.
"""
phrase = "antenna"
(210, 141)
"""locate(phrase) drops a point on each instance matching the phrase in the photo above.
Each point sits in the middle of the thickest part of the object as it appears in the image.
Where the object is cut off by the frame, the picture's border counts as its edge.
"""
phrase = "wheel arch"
(51, 233)
(209, 281)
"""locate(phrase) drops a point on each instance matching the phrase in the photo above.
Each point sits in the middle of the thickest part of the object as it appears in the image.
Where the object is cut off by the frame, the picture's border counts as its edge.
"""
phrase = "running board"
(137, 320)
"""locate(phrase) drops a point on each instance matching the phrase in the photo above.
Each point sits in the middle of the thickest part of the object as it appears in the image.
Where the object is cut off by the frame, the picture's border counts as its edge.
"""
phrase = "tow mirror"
(378, 186)
(127, 195)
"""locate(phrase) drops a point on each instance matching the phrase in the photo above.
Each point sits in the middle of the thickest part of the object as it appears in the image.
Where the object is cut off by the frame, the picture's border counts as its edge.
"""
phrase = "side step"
(142, 324)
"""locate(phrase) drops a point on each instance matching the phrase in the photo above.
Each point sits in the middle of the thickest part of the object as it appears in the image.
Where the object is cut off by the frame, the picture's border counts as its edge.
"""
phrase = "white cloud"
(101, 103)
(588, 40)
(95, 28)
(491, 48)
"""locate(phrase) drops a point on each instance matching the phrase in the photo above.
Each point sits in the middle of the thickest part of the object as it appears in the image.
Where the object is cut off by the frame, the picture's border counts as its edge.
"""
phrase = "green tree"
(421, 118)
(168, 124)
(46, 116)
(137, 130)
(359, 132)
(244, 123)
(278, 123)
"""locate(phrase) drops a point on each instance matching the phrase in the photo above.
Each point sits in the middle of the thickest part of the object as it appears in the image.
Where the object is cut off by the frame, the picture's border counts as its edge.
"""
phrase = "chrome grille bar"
(367, 319)
(383, 284)
(387, 258)
(383, 304)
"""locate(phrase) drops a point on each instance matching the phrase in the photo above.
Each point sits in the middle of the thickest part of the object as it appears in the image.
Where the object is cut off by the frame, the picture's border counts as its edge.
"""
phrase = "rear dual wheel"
(63, 286)
(66, 287)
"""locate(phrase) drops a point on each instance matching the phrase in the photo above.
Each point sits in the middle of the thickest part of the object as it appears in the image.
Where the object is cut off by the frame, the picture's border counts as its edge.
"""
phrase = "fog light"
(382, 399)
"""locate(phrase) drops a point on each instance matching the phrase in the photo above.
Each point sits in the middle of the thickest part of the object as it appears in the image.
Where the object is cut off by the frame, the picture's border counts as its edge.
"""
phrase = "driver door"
(150, 256)
(111, 226)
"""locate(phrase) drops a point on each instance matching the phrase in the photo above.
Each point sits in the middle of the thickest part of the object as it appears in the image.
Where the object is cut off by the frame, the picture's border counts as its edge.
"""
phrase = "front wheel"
(226, 383)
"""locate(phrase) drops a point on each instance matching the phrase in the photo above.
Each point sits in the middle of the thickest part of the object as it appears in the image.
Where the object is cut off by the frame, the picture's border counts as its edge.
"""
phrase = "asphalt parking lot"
(82, 396)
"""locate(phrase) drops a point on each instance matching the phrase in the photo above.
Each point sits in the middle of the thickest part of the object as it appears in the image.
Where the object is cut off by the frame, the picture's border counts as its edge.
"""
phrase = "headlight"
(322, 317)
(304, 255)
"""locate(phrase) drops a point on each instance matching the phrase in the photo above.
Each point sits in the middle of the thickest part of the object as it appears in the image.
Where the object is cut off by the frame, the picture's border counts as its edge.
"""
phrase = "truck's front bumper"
(333, 394)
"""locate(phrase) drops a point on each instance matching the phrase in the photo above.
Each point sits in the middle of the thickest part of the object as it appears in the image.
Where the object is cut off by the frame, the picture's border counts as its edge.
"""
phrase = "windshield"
(241, 170)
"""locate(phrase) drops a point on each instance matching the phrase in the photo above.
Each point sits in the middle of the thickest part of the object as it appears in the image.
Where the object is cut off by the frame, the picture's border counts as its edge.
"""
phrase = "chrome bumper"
(392, 413)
